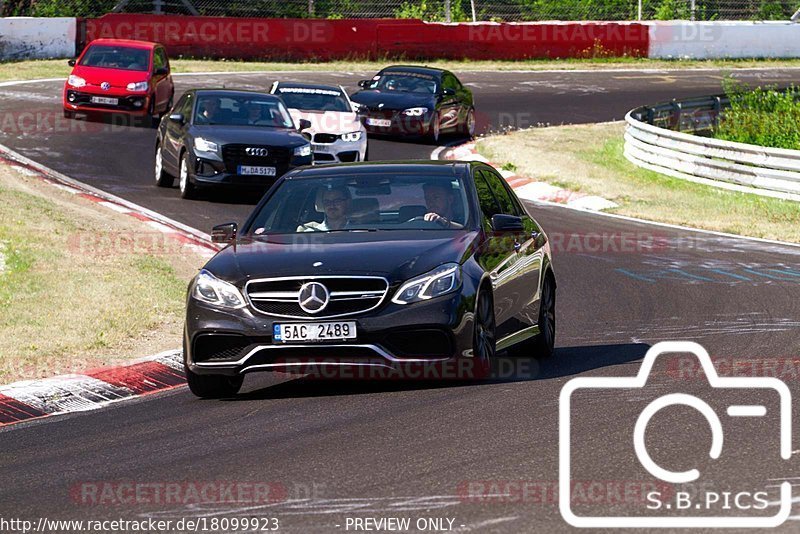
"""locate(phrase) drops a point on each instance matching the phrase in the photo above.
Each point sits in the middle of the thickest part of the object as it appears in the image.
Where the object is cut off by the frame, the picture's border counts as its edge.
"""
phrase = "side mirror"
(176, 117)
(224, 233)
(507, 223)
(161, 71)
(71, 62)
(448, 91)
(363, 83)
(304, 124)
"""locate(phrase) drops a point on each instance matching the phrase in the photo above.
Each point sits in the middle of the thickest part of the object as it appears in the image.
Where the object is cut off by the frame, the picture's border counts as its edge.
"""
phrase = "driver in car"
(439, 201)
(336, 206)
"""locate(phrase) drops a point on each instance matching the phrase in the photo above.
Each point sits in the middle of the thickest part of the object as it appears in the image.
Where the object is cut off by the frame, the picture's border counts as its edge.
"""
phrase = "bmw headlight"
(302, 151)
(204, 145)
(415, 112)
(440, 281)
(76, 81)
(137, 86)
(210, 289)
(351, 137)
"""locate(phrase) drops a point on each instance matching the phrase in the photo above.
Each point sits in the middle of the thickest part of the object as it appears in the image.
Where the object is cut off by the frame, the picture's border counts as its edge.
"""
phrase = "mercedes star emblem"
(313, 297)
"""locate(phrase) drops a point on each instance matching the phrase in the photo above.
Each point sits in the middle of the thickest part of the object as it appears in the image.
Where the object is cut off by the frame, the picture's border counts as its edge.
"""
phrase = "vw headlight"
(415, 112)
(76, 81)
(351, 137)
(440, 281)
(303, 151)
(210, 289)
(137, 86)
(204, 145)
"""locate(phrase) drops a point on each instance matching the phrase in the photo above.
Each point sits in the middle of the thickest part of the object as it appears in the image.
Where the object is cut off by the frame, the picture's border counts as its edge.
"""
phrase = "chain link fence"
(430, 10)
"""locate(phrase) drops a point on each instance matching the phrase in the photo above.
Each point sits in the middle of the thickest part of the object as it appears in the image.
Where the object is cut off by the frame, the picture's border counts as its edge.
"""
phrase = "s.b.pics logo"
(719, 445)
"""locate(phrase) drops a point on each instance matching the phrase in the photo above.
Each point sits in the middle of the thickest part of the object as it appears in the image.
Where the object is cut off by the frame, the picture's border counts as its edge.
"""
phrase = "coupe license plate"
(381, 123)
(250, 170)
(312, 332)
(105, 100)
(319, 148)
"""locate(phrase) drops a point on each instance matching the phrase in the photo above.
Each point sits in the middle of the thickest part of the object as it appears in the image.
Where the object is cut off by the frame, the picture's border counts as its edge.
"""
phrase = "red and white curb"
(525, 187)
(93, 389)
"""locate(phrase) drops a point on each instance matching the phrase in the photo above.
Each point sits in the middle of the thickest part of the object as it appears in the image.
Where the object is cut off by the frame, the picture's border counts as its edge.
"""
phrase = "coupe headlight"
(351, 137)
(137, 86)
(210, 289)
(303, 151)
(76, 81)
(204, 145)
(415, 112)
(440, 281)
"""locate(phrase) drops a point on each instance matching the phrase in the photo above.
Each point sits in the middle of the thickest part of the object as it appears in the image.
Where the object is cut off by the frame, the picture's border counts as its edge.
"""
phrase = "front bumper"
(212, 171)
(340, 151)
(394, 123)
(79, 100)
(401, 340)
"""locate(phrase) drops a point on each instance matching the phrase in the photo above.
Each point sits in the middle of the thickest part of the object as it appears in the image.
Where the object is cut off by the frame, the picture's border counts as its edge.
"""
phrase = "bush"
(764, 116)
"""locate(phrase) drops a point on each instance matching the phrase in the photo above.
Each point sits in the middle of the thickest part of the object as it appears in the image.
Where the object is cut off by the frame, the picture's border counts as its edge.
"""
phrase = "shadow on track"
(567, 361)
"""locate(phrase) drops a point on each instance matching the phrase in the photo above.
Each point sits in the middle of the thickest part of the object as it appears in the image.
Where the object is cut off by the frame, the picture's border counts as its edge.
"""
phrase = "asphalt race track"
(339, 450)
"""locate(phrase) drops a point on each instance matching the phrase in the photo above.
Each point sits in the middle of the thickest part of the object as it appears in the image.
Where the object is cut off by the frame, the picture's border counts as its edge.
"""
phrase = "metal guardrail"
(656, 138)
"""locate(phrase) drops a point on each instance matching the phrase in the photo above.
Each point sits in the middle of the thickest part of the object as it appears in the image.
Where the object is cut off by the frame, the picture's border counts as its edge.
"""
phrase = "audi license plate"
(105, 100)
(381, 123)
(251, 170)
(311, 332)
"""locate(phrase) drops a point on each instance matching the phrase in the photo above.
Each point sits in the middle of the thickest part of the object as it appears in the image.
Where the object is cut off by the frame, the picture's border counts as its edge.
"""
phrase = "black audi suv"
(225, 138)
(409, 101)
(380, 266)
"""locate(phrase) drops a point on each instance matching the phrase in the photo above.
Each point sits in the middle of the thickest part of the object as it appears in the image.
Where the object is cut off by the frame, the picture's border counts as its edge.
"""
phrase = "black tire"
(468, 128)
(187, 188)
(163, 178)
(69, 114)
(434, 129)
(213, 386)
(544, 344)
(484, 340)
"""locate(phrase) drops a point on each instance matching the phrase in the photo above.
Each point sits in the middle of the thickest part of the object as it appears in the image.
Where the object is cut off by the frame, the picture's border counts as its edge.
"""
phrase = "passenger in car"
(439, 201)
(336, 206)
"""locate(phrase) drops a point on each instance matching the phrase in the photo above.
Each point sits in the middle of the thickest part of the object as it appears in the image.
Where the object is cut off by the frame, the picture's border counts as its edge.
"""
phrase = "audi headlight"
(351, 137)
(137, 86)
(415, 112)
(210, 289)
(303, 151)
(204, 145)
(76, 81)
(440, 281)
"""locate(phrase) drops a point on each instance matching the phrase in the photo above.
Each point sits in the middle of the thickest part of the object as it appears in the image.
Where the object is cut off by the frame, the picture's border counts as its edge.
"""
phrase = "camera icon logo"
(737, 411)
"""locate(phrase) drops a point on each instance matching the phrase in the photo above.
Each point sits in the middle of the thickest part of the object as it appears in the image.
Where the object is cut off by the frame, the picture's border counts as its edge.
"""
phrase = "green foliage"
(433, 11)
(763, 116)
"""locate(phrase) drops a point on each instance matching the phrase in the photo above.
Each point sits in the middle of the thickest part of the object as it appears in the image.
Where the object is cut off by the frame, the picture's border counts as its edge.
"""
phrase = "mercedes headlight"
(76, 81)
(204, 145)
(210, 289)
(137, 86)
(415, 112)
(303, 151)
(440, 281)
(351, 137)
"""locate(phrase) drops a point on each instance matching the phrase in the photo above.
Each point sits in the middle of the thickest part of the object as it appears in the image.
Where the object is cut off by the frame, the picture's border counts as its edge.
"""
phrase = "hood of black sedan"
(397, 255)
(393, 100)
(257, 135)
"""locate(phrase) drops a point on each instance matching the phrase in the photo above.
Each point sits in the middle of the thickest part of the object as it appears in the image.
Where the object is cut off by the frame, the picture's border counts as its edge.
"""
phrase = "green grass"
(589, 158)
(58, 68)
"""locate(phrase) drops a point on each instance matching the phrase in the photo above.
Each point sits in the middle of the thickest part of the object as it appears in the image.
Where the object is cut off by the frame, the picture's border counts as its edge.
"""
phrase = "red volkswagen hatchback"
(120, 76)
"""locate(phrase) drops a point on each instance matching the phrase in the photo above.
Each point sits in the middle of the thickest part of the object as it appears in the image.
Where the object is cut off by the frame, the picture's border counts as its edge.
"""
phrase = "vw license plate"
(250, 170)
(310, 332)
(105, 100)
(381, 123)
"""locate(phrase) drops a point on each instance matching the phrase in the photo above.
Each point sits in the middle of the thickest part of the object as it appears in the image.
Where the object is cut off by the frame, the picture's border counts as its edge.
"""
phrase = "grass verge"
(58, 68)
(589, 159)
(82, 286)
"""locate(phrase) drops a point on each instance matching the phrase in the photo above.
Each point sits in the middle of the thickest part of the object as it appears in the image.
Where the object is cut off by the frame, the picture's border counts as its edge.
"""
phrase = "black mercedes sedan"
(224, 138)
(372, 267)
(416, 101)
